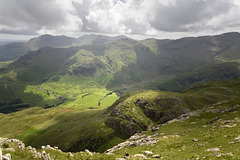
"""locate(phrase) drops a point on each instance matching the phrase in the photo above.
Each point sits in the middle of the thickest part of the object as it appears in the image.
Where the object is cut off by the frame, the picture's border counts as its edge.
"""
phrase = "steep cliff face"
(140, 110)
(136, 115)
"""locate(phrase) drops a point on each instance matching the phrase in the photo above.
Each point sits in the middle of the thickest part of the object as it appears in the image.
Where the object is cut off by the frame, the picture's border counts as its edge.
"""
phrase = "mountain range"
(96, 91)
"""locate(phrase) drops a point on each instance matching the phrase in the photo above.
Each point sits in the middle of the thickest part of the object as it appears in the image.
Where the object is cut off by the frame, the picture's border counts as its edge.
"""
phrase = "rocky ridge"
(19, 146)
(140, 139)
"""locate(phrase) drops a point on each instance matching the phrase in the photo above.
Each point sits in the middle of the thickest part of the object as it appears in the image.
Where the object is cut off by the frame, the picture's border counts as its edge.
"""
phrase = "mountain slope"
(210, 133)
(134, 112)
(110, 64)
(73, 129)
(37, 66)
(51, 41)
(11, 51)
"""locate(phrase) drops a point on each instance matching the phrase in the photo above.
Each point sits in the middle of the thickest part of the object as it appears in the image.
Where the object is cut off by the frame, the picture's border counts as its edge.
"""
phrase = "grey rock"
(156, 156)
(155, 129)
(6, 157)
(9, 149)
(140, 156)
(70, 154)
(213, 150)
(37, 154)
(237, 139)
(45, 156)
(29, 147)
(148, 153)
(48, 147)
(87, 151)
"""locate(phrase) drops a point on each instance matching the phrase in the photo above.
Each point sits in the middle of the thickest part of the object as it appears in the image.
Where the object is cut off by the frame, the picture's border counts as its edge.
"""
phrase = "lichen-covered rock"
(148, 153)
(140, 156)
(9, 150)
(87, 151)
(45, 156)
(213, 150)
(6, 156)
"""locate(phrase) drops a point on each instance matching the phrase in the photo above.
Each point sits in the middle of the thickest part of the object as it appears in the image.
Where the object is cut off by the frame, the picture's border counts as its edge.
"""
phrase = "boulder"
(87, 151)
(6, 157)
(9, 149)
(237, 139)
(156, 156)
(70, 154)
(195, 140)
(45, 156)
(21, 145)
(148, 153)
(29, 147)
(48, 147)
(140, 156)
(213, 150)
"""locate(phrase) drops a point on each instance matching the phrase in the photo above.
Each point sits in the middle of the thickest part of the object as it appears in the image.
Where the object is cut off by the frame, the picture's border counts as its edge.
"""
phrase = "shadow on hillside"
(208, 73)
(15, 98)
(148, 66)
(77, 131)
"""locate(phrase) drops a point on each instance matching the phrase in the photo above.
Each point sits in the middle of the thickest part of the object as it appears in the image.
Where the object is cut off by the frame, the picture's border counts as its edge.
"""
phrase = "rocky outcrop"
(6, 156)
(140, 139)
(125, 123)
(126, 126)
(140, 156)
(45, 156)
(122, 119)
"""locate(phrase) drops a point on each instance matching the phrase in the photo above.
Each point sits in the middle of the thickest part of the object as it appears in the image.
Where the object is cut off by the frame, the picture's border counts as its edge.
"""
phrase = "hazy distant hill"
(13, 50)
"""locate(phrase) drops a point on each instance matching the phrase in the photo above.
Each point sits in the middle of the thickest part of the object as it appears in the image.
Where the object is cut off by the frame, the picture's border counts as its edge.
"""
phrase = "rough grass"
(197, 127)
(209, 135)
(63, 127)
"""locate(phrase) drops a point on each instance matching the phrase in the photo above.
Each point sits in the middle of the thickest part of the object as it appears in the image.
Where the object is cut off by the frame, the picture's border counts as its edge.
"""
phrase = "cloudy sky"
(134, 18)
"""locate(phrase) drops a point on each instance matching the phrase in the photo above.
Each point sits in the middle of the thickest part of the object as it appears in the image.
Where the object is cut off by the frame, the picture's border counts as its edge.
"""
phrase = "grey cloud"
(187, 15)
(42, 12)
(30, 15)
(19, 31)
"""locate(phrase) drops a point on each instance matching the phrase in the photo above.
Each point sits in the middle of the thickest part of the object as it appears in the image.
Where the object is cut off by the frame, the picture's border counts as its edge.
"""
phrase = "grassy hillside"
(70, 129)
(210, 133)
(74, 129)
(135, 111)
(104, 64)
(207, 135)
